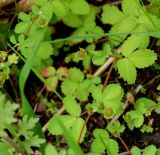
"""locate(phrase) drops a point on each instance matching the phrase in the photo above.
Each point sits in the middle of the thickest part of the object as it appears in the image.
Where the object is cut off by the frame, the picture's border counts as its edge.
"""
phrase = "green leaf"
(50, 150)
(112, 91)
(100, 133)
(58, 8)
(69, 87)
(72, 143)
(111, 15)
(82, 92)
(54, 127)
(116, 129)
(143, 58)
(46, 11)
(26, 107)
(45, 50)
(72, 20)
(149, 150)
(24, 17)
(132, 43)
(144, 104)
(135, 151)
(97, 93)
(76, 129)
(112, 147)
(71, 106)
(127, 70)
(21, 27)
(76, 75)
(134, 119)
(97, 146)
(80, 7)
(131, 7)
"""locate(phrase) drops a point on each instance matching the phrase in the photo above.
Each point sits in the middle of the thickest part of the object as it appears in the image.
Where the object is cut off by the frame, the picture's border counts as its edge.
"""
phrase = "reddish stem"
(107, 77)
(80, 135)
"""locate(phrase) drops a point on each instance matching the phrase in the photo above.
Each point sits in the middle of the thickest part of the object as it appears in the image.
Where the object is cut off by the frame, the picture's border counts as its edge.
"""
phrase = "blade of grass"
(70, 141)
(26, 107)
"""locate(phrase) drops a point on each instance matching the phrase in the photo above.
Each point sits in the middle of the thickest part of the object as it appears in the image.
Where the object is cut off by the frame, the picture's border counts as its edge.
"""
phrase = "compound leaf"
(127, 70)
(71, 106)
(111, 15)
(143, 58)
(79, 7)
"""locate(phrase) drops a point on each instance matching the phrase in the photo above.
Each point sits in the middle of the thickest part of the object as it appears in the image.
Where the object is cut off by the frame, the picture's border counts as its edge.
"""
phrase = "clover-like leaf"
(132, 43)
(143, 58)
(71, 106)
(127, 70)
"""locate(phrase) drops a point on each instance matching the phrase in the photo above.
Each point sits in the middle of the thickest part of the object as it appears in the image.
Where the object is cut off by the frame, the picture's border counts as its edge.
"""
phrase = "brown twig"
(107, 77)
(80, 135)
(125, 145)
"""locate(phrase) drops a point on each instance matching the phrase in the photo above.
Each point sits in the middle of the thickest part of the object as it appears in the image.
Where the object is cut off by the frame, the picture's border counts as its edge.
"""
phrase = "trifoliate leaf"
(71, 106)
(149, 150)
(132, 43)
(135, 151)
(54, 127)
(131, 7)
(143, 58)
(127, 70)
(69, 87)
(112, 147)
(112, 91)
(111, 15)
(58, 8)
(50, 150)
(75, 75)
(80, 7)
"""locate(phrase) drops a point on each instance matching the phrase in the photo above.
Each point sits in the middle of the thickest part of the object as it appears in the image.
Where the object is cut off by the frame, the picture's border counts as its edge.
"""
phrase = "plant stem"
(80, 135)
(108, 75)
(124, 144)
(13, 144)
